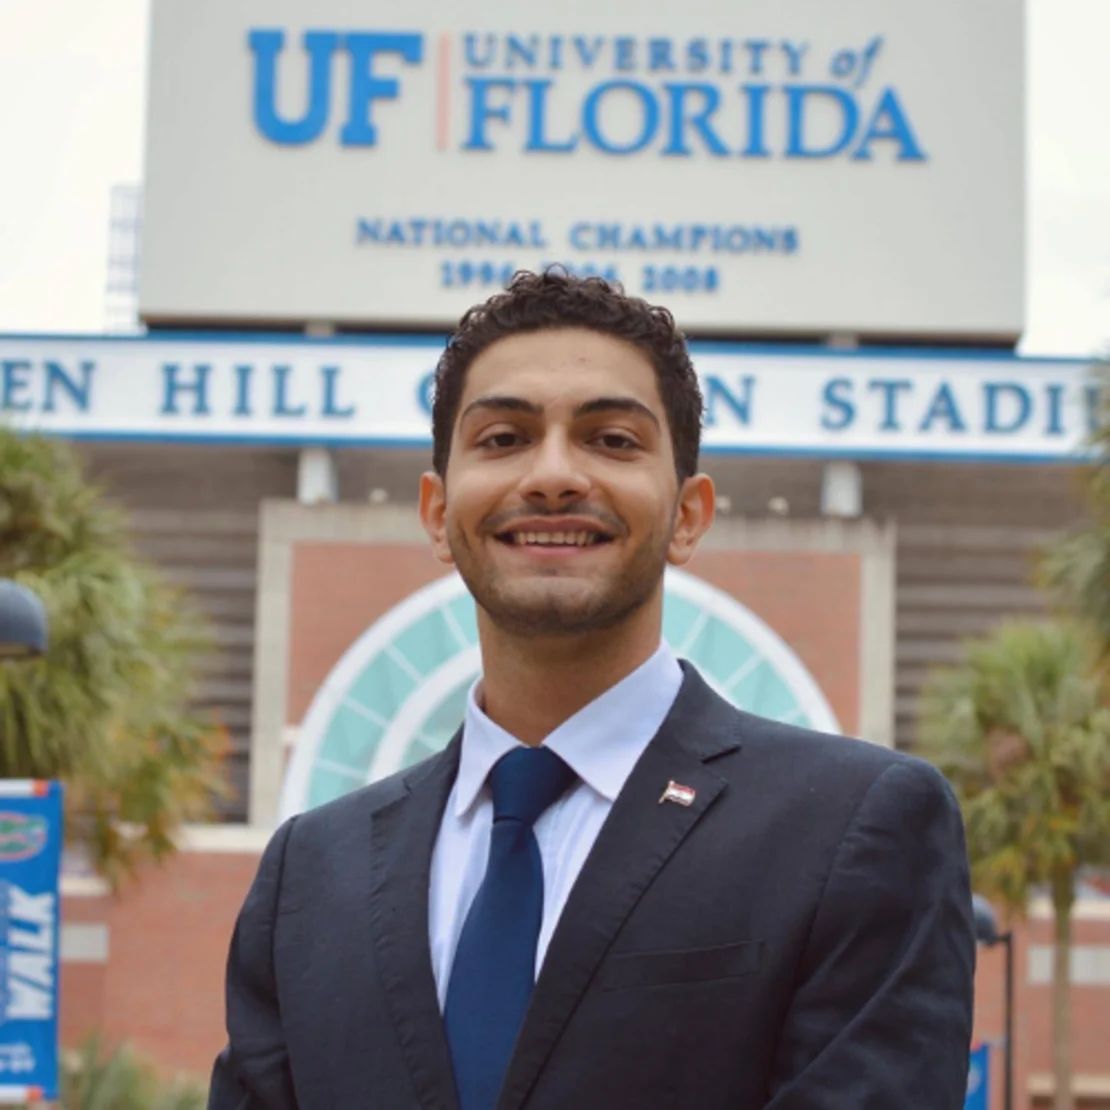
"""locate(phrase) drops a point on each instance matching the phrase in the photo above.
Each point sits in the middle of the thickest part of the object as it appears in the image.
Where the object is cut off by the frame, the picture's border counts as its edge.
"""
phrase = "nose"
(555, 475)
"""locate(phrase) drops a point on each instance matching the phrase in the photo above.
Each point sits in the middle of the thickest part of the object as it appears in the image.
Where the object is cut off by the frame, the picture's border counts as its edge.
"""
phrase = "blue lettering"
(79, 392)
(624, 54)
(888, 121)
(739, 403)
(470, 50)
(697, 56)
(588, 50)
(487, 234)
(281, 400)
(608, 237)
(795, 52)
(943, 407)
(837, 395)
(756, 96)
(198, 387)
(265, 46)
(699, 118)
(649, 116)
(481, 110)
(659, 55)
(755, 48)
(359, 130)
(368, 231)
(14, 374)
(1054, 426)
(526, 50)
(993, 393)
(330, 374)
(890, 388)
(537, 138)
(667, 238)
(579, 237)
(243, 374)
(797, 97)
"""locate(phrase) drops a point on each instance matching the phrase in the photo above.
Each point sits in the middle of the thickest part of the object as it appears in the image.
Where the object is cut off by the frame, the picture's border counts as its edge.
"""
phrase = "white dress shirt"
(600, 743)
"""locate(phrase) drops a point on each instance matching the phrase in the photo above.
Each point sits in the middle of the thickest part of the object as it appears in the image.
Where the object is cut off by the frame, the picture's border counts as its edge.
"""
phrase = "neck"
(531, 685)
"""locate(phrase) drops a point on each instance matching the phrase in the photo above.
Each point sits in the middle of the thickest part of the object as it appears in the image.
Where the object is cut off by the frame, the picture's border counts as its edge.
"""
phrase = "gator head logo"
(22, 835)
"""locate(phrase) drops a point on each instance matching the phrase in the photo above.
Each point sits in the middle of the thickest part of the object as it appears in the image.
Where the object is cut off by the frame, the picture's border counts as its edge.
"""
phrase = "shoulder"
(787, 763)
(830, 752)
(853, 779)
(829, 756)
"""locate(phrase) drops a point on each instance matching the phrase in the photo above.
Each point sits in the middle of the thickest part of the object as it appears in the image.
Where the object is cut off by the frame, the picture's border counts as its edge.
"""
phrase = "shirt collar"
(600, 743)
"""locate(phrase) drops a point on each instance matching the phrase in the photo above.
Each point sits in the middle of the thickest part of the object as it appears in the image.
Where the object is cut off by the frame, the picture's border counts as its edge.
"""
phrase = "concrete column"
(841, 489)
(317, 476)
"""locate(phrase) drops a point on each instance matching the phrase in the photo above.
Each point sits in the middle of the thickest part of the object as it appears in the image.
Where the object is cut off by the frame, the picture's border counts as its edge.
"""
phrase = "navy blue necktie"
(494, 970)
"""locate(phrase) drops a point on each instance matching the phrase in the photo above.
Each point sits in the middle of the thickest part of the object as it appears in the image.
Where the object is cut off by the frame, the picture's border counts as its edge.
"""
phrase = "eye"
(616, 441)
(501, 440)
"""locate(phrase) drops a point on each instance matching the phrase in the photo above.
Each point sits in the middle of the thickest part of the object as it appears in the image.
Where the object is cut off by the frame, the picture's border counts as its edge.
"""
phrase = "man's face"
(561, 505)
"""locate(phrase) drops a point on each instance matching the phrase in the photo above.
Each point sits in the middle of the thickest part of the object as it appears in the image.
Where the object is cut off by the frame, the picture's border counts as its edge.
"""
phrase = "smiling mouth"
(580, 538)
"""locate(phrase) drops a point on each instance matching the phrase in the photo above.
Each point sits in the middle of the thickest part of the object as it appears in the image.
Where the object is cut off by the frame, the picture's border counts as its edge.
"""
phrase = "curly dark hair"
(556, 299)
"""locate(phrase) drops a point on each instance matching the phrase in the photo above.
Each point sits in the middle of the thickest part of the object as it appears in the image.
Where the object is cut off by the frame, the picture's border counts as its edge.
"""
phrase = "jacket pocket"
(685, 965)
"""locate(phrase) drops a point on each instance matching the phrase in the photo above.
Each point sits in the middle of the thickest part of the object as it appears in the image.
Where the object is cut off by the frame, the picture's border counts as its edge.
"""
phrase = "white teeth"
(562, 539)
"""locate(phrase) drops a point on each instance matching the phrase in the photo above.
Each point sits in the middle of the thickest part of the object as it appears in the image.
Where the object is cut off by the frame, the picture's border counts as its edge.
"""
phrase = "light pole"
(987, 934)
(22, 622)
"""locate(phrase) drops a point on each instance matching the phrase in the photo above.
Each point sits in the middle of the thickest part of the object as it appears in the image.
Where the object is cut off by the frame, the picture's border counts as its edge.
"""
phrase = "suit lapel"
(403, 835)
(638, 837)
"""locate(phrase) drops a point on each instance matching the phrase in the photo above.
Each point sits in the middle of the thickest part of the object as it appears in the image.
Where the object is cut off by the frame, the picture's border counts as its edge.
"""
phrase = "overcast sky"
(72, 75)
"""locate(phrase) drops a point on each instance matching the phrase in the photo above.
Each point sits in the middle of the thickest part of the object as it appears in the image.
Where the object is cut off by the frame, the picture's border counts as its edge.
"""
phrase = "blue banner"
(978, 1079)
(30, 862)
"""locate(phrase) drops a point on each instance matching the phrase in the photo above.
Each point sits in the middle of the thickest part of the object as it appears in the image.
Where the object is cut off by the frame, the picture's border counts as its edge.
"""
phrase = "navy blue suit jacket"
(798, 938)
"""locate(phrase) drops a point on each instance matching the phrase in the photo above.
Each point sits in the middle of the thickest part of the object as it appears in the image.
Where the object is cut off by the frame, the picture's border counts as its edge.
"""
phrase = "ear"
(433, 514)
(697, 505)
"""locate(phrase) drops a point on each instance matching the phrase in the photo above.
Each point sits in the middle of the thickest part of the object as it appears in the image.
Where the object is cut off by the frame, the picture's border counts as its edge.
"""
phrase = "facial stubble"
(521, 605)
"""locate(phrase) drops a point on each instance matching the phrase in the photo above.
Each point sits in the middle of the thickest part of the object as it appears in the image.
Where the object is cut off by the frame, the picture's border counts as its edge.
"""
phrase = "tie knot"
(526, 781)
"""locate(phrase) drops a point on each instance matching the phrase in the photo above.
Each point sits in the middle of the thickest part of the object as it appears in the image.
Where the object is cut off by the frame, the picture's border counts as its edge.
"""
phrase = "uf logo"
(365, 85)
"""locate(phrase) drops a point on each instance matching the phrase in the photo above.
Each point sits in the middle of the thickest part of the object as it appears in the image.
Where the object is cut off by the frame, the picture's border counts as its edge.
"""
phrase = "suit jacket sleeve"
(881, 1011)
(252, 1072)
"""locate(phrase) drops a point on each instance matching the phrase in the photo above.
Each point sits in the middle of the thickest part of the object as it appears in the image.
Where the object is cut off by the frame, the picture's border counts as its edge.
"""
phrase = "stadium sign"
(784, 168)
(376, 391)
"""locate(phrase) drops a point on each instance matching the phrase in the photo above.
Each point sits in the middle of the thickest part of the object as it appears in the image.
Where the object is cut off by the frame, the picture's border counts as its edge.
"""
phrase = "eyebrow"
(509, 403)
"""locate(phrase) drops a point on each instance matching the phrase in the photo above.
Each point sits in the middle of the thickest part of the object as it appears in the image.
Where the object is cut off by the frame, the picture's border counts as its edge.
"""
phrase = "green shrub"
(122, 1080)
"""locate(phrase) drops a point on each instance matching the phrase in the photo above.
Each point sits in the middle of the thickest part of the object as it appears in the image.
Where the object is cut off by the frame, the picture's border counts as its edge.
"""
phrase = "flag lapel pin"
(676, 792)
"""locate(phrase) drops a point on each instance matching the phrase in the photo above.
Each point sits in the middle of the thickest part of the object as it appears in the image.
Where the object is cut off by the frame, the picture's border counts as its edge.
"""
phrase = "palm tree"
(1022, 730)
(107, 708)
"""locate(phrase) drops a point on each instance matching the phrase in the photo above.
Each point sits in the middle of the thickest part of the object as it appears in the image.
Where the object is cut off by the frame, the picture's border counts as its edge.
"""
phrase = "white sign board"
(377, 392)
(782, 166)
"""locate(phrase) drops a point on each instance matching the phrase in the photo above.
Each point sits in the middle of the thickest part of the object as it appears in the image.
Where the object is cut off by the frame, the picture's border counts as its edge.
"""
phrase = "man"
(612, 889)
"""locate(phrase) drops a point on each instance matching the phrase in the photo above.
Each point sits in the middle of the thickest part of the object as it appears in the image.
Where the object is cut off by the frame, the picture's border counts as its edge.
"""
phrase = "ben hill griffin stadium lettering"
(555, 94)
(223, 390)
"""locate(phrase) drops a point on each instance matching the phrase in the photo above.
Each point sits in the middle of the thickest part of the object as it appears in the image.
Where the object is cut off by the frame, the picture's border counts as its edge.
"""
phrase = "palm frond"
(108, 709)
(1022, 730)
